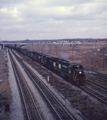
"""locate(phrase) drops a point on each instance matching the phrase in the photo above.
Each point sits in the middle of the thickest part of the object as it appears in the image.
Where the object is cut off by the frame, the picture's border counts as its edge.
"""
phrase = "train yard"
(96, 91)
(28, 101)
(58, 109)
(45, 95)
(63, 89)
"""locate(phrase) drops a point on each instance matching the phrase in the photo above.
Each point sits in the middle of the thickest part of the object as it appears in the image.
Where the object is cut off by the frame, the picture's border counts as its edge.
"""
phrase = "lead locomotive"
(72, 72)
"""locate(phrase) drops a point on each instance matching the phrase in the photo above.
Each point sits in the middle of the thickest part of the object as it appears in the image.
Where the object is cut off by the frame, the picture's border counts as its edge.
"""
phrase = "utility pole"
(72, 52)
(106, 52)
(0, 42)
(103, 57)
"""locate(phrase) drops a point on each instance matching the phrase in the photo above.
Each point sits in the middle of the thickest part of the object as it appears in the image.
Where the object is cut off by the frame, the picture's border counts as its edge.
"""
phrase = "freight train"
(70, 71)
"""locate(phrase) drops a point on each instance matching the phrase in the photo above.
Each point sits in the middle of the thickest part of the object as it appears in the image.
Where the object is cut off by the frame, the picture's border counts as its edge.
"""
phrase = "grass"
(85, 53)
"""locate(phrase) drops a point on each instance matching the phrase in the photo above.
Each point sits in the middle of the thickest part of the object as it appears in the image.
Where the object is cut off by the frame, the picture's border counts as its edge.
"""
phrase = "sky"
(52, 19)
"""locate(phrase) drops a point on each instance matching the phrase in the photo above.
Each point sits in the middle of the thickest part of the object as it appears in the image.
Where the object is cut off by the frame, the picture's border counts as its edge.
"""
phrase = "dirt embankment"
(5, 92)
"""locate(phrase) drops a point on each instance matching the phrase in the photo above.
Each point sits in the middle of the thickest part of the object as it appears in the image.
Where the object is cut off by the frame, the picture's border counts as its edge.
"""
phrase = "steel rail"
(21, 91)
(39, 116)
(49, 96)
(94, 92)
(97, 84)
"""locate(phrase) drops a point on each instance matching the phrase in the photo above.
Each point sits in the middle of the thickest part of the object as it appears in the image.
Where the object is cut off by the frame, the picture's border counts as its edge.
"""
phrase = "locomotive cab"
(78, 74)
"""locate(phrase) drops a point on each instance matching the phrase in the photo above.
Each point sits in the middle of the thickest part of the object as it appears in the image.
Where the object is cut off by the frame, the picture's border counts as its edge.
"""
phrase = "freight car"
(70, 71)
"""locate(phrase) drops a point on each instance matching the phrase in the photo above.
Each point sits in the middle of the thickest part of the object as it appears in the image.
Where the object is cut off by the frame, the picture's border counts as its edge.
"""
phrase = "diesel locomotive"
(70, 71)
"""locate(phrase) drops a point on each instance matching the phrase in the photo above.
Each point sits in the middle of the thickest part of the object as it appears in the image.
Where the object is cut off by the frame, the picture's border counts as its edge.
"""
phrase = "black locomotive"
(70, 71)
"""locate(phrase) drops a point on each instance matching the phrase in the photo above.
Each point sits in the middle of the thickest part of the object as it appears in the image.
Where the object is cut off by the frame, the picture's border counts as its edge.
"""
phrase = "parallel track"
(59, 110)
(95, 93)
(30, 106)
(102, 87)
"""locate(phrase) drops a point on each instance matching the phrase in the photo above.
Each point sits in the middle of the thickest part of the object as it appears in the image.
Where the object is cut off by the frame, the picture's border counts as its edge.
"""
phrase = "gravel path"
(5, 92)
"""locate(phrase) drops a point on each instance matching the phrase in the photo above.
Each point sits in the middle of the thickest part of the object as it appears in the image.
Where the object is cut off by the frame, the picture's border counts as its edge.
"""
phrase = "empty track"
(30, 108)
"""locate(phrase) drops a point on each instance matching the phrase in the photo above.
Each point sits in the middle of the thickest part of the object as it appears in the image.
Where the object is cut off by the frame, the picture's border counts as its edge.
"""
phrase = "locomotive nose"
(79, 71)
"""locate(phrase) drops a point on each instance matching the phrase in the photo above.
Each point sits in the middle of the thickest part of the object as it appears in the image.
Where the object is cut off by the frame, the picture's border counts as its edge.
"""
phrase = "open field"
(92, 55)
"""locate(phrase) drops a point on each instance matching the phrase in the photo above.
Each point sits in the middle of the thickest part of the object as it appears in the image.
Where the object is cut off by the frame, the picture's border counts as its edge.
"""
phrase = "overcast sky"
(52, 19)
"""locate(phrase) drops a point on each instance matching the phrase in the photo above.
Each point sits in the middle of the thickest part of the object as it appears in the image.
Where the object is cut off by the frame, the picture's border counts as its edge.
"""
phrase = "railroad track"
(102, 87)
(58, 109)
(96, 91)
(30, 108)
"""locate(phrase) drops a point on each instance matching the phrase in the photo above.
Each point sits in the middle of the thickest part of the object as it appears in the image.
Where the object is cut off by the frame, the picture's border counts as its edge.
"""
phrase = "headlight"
(80, 72)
